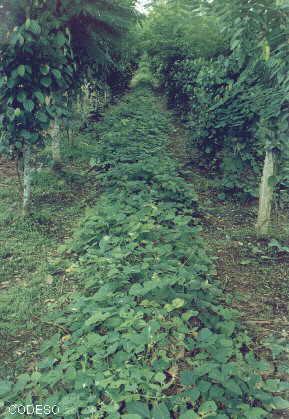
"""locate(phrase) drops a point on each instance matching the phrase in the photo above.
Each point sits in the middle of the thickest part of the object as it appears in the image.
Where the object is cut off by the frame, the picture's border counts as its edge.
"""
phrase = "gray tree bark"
(55, 146)
(266, 195)
(27, 177)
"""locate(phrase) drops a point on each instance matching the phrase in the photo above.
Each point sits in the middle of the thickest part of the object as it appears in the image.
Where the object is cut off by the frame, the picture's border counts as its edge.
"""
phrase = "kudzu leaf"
(187, 378)
(5, 387)
(138, 408)
(40, 96)
(98, 316)
(17, 112)
(57, 74)
(21, 96)
(21, 70)
(207, 408)
(256, 413)
(190, 414)
(46, 81)
(28, 105)
(280, 404)
(44, 69)
(233, 387)
(42, 117)
(34, 27)
(161, 412)
(60, 39)
(11, 83)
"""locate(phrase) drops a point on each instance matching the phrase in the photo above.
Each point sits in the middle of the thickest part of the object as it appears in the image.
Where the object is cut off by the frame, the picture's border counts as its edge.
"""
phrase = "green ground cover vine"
(148, 334)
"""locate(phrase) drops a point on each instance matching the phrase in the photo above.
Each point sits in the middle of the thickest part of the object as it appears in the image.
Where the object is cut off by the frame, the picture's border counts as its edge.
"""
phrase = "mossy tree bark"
(266, 194)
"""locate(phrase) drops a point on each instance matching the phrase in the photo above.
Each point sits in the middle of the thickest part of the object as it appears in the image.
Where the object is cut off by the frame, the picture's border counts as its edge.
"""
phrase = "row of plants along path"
(147, 335)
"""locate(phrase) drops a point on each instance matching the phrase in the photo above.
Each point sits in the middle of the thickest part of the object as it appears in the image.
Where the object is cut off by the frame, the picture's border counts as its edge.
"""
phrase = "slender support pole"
(27, 177)
(266, 195)
(56, 153)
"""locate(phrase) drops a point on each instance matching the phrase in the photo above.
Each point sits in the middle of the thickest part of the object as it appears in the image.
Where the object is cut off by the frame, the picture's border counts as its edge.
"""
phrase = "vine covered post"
(32, 72)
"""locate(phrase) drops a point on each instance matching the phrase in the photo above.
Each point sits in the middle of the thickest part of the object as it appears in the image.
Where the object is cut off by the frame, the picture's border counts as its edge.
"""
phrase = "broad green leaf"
(256, 413)
(18, 112)
(160, 412)
(190, 414)
(5, 387)
(40, 96)
(280, 404)
(233, 387)
(57, 74)
(46, 81)
(27, 23)
(190, 313)
(25, 134)
(28, 105)
(11, 83)
(34, 27)
(21, 96)
(44, 69)
(207, 408)
(138, 408)
(60, 39)
(21, 70)
(205, 335)
(98, 316)
(42, 117)
(187, 378)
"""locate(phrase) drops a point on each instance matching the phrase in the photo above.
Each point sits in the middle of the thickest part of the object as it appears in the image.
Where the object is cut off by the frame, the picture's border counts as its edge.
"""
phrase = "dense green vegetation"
(141, 138)
(145, 298)
(53, 47)
(223, 67)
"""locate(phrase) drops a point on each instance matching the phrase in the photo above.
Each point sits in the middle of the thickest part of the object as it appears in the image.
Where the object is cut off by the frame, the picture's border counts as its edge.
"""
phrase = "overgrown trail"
(147, 335)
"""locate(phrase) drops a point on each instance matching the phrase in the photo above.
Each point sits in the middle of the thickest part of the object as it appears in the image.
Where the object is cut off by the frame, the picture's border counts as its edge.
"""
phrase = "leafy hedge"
(221, 110)
(148, 335)
(228, 78)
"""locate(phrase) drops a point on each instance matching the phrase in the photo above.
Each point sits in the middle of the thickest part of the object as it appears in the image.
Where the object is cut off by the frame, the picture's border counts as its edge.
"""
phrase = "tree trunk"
(55, 146)
(69, 136)
(27, 176)
(266, 195)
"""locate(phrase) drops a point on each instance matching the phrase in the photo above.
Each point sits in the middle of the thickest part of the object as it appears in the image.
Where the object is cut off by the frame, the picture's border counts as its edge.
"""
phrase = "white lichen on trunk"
(27, 177)
(266, 195)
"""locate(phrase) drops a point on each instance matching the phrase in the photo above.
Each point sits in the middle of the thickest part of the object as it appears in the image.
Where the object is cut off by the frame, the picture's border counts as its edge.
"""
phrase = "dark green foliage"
(226, 76)
(53, 43)
(147, 334)
(33, 67)
(221, 114)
